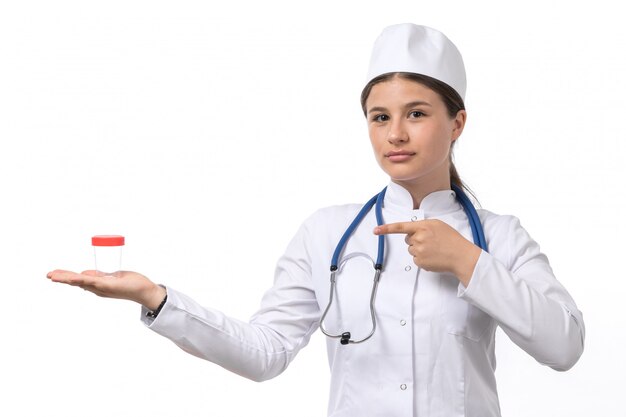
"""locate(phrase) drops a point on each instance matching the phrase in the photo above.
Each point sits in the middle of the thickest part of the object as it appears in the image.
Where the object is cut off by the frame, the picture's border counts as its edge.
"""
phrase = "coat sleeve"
(522, 294)
(263, 347)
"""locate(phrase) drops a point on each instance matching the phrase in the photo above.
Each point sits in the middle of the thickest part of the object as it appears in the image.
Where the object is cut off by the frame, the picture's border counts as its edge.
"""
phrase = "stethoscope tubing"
(378, 201)
(478, 236)
(478, 233)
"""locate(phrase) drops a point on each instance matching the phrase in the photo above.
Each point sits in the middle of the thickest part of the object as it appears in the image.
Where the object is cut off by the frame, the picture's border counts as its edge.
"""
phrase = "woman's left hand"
(436, 246)
(126, 285)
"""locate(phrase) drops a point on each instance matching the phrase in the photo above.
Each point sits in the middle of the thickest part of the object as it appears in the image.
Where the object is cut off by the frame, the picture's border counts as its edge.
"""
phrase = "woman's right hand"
(126, 285)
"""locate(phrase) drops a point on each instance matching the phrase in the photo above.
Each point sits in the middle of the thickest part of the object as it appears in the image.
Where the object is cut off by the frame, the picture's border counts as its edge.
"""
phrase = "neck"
(419, 189)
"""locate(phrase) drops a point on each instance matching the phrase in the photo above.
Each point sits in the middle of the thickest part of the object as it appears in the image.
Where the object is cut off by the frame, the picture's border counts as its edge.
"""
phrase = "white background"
(206, 132)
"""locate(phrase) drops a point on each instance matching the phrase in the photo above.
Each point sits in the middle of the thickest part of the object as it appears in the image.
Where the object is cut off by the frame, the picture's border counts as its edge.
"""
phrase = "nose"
(397, 133)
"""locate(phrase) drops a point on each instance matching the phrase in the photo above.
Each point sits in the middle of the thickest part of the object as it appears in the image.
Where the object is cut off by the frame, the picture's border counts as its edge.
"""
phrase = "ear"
(458, 124)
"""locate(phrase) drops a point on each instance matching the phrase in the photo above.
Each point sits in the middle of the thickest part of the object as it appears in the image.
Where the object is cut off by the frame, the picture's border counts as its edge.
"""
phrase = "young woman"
(419, 282)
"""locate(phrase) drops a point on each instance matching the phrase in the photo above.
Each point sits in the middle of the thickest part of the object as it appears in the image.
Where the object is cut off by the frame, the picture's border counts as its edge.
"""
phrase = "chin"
(411, 174)
(398, 175)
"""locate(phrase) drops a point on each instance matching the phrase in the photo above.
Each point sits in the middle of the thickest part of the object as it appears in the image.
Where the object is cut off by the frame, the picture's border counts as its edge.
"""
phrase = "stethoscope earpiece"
(345, 338)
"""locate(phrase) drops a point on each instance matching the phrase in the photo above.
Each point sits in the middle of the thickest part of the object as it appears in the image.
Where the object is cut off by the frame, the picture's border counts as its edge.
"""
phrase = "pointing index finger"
(394, 228)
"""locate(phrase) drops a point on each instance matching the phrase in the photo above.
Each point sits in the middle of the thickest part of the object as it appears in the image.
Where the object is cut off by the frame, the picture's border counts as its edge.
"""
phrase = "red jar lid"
(107, 240)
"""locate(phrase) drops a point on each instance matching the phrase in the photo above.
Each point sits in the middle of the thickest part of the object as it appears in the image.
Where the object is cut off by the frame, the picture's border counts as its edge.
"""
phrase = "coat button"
(402, 322)
(407, 268)
(403, 387)
(414, 218)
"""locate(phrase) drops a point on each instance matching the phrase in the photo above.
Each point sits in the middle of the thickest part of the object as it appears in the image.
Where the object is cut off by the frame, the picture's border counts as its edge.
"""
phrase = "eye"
(416, 114)
(380, 118)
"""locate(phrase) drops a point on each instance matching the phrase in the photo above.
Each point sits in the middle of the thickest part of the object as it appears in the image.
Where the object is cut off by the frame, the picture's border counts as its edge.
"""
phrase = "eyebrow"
(406, 106)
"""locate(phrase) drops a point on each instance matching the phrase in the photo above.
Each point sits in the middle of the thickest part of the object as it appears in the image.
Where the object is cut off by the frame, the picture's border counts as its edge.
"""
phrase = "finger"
(56, 271)
(94, 273)
(95, 290)
(415, 252)
(395, 228)
(71, 278)
(59, 274)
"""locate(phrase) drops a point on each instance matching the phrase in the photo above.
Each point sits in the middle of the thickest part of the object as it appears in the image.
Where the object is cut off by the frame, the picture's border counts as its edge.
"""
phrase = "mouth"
(399, 156)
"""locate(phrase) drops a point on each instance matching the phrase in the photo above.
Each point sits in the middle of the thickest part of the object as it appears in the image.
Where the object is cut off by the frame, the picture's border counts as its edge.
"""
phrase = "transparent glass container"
(107, 250)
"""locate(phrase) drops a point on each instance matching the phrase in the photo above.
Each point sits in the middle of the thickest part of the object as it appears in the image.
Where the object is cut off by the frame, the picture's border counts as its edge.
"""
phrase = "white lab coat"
(433, 351)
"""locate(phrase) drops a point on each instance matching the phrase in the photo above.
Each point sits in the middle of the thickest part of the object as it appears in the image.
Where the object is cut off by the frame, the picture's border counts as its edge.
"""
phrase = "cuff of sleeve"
(475, 280)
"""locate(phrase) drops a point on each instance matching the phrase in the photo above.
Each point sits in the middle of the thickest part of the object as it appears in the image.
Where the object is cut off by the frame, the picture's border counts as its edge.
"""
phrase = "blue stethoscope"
(377, 201)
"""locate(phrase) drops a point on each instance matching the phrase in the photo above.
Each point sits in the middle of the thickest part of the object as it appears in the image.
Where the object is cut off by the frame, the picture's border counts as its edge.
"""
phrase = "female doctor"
(419, 279)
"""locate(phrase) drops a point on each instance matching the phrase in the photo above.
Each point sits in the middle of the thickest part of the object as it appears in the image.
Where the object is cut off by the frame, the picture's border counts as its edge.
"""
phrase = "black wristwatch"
(153, 314)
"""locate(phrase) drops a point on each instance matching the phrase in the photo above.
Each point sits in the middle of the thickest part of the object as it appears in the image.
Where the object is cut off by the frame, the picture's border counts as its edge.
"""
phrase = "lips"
(399, 156)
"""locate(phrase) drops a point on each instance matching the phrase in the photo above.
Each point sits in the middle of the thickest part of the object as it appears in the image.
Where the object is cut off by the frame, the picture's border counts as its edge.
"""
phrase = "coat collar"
(436, 203)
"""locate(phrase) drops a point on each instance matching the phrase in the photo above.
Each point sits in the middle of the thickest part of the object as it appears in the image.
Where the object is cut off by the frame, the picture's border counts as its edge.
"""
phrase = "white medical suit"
(432, 354)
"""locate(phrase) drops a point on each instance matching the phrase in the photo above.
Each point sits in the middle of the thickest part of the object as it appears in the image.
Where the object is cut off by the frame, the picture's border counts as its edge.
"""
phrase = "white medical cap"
(418, 49)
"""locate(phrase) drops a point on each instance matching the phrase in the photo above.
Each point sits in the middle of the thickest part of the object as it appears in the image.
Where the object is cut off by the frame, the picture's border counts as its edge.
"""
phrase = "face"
(412, 133)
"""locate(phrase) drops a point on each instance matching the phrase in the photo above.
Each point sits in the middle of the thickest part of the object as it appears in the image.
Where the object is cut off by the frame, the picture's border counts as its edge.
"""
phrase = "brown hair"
(452, 100)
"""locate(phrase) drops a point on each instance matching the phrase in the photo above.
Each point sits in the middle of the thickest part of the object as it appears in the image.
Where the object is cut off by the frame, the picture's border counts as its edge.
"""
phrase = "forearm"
(465, 262)
(544, 322)
(252, 350)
